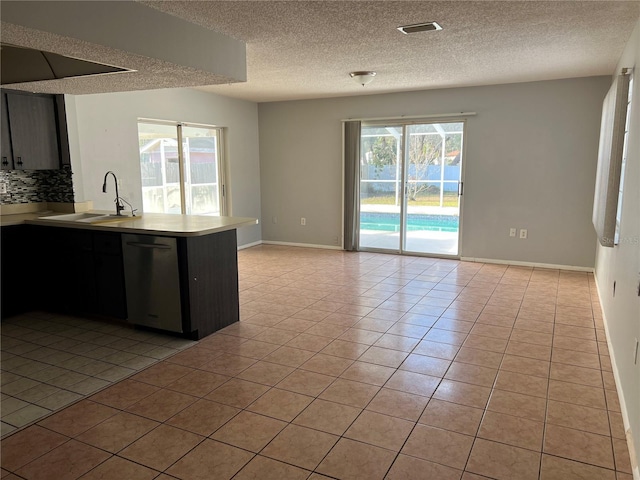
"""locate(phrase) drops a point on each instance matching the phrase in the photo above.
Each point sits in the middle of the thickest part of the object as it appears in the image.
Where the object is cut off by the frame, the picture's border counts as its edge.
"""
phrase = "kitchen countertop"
(146, 223)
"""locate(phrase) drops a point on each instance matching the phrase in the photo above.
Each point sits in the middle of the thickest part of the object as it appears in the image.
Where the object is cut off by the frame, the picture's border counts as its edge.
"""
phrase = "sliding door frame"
(222, 170)
(404, 124)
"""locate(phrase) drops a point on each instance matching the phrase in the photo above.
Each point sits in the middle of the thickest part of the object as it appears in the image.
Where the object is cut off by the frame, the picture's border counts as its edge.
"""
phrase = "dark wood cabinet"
(111, 298)
(34, 135)
(209, 283)
(80, 271)
(6, 162)
(88, 272)
(20, 287)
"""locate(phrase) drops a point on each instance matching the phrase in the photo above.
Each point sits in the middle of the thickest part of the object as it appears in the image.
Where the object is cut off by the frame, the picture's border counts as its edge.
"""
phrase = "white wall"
(530, 162)
(622, 263)
(103, 134)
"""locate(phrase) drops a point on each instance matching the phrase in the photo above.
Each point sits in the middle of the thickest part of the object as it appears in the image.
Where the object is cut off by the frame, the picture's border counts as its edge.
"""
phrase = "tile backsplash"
(35, 186)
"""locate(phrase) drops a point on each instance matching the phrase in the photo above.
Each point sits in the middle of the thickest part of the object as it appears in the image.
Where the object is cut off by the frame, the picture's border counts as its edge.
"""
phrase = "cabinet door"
(34, 136)
(6, 162)
(111, 298)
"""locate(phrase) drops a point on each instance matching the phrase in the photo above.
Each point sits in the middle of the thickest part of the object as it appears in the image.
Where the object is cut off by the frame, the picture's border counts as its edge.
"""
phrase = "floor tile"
(306, 383)
(249, 431)
(436, 367)
(280, 404)
(27, 445)
(78, 418)
(203, 417)
(577, 394)
(503, 462)
(117, 432)
(579, 445)
(439, 446)
(66, 462)
(351, 460)
(237, 393)
(263, 468)
(198, 383)
(412, 468)
(511, 430)
(381, 430)
(363, 372)
(383, 356)
(162, 374)
(579, 417)
(349, 392)
(210, 459)
(473, 374)
(289, 356)
(161, 447)
(162, 405)
(117, 467)
(411, 382)
(555, 468)
(345, 349)
(300, 446)
(462, 393)
(124, 394)
(265, 373)
(398, 404)
(521, 383)
(452, 416)
(327, 416)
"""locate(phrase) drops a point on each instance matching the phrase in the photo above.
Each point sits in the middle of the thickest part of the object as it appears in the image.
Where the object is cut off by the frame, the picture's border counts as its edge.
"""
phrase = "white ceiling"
(305, 49)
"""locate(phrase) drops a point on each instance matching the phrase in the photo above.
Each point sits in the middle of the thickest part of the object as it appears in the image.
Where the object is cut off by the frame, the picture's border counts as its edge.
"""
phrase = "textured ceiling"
(305, 49)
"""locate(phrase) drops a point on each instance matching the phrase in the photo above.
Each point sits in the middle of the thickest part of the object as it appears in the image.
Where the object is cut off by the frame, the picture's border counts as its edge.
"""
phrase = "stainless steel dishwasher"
(152, 281)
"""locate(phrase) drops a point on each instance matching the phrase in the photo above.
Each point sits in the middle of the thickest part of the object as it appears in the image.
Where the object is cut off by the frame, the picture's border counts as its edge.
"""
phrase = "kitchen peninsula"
(176, 273)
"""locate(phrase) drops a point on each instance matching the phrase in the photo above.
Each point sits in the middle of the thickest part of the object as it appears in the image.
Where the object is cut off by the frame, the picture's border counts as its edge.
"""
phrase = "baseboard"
(303, 245)
(623, 405)
(527, 264)
(249, 245)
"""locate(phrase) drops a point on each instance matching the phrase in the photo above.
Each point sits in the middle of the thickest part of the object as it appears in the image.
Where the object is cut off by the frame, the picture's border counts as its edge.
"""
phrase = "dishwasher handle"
(149, 245)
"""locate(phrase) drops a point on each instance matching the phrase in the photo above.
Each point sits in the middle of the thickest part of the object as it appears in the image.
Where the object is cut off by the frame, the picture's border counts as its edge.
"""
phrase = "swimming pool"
(390, 222)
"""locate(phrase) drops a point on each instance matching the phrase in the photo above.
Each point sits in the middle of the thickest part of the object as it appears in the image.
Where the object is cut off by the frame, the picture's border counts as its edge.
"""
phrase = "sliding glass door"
(410, 187)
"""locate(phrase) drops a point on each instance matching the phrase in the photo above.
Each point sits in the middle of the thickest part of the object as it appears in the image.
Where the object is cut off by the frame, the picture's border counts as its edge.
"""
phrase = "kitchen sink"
(86, 217)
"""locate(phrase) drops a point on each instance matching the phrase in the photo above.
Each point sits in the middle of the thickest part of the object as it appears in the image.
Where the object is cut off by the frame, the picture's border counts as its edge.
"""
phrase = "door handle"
(160, 246)
(460, 188)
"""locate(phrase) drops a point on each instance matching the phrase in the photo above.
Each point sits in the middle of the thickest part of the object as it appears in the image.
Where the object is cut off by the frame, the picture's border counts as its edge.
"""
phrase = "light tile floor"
(51, 361)
(361, 366)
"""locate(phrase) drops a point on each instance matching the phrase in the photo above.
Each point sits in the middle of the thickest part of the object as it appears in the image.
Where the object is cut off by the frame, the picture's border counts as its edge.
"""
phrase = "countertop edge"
(33, 219)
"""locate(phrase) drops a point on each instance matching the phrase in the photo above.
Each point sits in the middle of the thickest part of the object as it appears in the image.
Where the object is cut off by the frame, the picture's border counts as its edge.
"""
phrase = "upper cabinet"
(30, 132)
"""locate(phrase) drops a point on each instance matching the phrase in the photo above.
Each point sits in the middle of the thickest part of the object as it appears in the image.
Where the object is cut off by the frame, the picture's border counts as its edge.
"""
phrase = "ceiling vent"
(420, 27)
(20, 64)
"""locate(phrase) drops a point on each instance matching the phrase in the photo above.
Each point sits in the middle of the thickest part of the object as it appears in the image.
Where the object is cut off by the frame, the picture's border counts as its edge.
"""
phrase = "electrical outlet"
(3, 188)
(512, 232)
(336, 240)
(274, 219)
(303, 221)
(523, 233)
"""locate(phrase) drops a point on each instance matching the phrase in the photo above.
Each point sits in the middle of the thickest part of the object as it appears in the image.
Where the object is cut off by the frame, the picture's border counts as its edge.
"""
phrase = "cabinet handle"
(5, 161)
(161, 246)
(19, 160)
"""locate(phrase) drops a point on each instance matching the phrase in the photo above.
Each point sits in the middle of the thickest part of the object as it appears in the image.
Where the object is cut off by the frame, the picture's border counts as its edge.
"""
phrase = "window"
(181, 166)
(625, 144)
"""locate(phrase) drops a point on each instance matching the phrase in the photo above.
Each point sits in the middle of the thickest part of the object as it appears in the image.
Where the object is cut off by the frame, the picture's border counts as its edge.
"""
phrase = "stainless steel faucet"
(119, 206)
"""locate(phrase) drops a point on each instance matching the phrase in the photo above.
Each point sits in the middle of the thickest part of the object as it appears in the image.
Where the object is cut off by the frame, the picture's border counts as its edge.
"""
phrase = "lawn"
(450, 200)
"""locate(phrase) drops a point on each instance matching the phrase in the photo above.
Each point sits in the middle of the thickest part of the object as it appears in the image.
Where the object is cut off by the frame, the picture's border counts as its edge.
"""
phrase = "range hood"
(21, 65)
